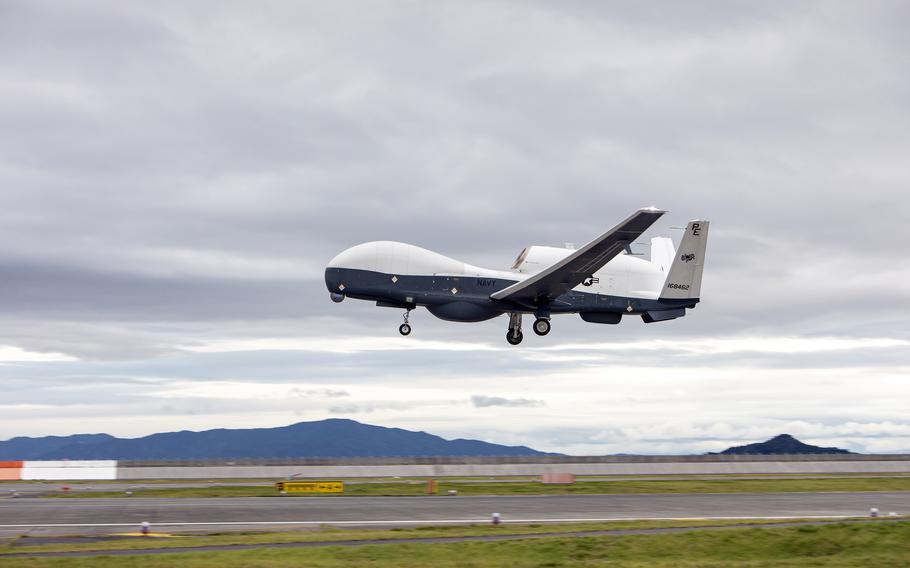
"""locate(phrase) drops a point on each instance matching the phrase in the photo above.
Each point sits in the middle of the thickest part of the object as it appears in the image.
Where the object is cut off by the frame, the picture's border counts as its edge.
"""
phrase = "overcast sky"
(174, 177)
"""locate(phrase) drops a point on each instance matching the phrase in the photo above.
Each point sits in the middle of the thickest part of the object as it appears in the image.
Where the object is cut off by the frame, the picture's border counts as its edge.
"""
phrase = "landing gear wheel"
(405, 328)
(541, 326)
(514, 336)
(514, 339)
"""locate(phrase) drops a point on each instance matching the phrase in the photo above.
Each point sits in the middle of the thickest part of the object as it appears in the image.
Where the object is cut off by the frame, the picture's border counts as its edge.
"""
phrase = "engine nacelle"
(535, 258)
(463, 311)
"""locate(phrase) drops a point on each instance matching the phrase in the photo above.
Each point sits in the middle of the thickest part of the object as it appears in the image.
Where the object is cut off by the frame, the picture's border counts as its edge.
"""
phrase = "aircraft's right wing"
(572, 270)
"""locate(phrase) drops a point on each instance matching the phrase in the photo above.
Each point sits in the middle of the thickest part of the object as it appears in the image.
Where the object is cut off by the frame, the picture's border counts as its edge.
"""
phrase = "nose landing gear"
(405, 328)
(514, 336)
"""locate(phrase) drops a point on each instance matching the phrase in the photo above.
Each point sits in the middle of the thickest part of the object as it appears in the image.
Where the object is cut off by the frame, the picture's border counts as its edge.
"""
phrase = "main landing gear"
(514, 336)
(405, 328)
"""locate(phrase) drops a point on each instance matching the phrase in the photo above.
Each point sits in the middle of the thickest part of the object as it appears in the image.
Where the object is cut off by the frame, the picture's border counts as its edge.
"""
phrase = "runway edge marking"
(483, 520)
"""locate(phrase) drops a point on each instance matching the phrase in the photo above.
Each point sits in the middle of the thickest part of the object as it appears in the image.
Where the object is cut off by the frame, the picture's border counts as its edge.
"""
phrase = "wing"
(570, 271)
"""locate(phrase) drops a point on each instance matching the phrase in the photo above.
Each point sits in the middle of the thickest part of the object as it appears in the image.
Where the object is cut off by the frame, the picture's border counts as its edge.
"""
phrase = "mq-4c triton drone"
(601, 281)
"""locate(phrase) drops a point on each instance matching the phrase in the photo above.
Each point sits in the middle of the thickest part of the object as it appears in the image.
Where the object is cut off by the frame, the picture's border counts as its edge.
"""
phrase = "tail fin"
(684, 279)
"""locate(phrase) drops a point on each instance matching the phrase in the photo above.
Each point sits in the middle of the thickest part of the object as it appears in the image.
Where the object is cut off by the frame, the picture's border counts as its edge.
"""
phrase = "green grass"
(536, 488)
(328, 533)
(831, 546)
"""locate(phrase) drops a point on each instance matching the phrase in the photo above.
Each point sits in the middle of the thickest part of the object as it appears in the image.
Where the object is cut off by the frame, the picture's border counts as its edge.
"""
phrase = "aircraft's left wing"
(572, 270)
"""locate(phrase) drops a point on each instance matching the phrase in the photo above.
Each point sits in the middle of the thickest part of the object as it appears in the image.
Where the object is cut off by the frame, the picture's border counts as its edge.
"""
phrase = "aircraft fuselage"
(543, 280)
(456, 291)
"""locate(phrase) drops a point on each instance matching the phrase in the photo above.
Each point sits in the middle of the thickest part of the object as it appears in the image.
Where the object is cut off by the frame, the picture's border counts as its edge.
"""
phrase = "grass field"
(831, 546)
(329, 533)
(511, 487)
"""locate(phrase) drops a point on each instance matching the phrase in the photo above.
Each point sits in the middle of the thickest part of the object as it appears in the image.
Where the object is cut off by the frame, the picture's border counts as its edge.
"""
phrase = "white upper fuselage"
(624, 275)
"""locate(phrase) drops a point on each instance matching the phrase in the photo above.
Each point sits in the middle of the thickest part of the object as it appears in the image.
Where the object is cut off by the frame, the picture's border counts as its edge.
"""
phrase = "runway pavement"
(32, 488)
(98, 516)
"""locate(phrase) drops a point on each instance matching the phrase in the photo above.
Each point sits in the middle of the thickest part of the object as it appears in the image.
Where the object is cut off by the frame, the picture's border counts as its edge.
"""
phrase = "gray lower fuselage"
(467, 298)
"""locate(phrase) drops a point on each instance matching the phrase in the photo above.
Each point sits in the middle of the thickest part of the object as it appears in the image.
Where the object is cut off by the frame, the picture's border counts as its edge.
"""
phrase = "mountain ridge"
(333, 437)
(781, 444)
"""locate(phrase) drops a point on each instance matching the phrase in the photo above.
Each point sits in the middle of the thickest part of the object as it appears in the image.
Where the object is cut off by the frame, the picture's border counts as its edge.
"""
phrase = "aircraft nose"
(333, 279)
(334, 285)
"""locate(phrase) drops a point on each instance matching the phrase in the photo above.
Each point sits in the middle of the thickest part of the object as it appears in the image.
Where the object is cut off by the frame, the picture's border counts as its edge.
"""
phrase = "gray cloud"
(325, 393)
(481, 401)
(180, 175)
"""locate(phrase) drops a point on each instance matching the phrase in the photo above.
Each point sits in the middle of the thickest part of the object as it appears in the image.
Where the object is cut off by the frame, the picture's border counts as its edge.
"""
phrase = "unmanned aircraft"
(601, 281)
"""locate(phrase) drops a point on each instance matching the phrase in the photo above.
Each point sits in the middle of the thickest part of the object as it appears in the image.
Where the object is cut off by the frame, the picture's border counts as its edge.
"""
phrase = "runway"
(33, 488)
(99, 516)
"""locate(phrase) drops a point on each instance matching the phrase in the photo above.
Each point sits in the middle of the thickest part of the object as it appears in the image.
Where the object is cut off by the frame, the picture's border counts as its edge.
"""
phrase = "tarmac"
(88, 516)
(42, 488)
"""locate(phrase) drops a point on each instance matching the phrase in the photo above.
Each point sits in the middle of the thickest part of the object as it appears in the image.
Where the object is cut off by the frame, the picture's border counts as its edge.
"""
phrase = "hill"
(782, 444)
(323, 438)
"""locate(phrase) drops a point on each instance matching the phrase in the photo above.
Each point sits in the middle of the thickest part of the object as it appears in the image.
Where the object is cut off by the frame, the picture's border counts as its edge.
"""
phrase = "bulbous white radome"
(392, 257)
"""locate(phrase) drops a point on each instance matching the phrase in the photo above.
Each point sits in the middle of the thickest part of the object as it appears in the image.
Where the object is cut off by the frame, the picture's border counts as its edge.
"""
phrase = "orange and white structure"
(58, 470)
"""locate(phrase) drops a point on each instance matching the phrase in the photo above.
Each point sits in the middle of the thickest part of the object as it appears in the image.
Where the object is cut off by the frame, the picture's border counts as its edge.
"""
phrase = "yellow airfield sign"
(310, 486)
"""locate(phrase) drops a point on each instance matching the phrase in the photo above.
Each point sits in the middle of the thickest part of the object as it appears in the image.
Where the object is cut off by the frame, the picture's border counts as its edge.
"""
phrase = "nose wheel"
(541, 326)
(514, 336)
(405, 328)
